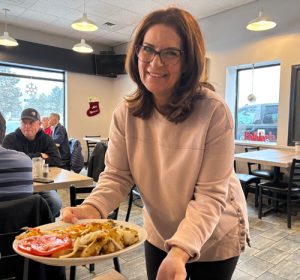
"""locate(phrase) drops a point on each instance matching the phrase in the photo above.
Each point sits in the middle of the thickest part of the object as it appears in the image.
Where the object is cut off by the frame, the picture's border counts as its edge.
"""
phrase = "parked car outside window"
(257, 122)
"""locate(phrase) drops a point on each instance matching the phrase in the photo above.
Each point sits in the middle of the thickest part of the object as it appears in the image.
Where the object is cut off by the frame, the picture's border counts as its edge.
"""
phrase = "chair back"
(295, 173)
(90, 147)
(29, 211)
(96, 162)
(11, 264)
(77, 160)
(252, 164)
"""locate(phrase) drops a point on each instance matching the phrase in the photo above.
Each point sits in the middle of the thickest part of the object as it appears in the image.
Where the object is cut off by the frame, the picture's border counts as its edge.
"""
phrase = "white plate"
(80, 261)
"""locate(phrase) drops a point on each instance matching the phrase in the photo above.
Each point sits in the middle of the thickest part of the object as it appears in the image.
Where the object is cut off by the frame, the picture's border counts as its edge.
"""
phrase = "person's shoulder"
(211, 99)
(12, 154)
(121, 108)
(10, 135)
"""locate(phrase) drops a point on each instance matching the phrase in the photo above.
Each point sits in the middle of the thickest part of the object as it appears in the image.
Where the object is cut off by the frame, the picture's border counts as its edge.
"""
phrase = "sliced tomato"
(44, 245)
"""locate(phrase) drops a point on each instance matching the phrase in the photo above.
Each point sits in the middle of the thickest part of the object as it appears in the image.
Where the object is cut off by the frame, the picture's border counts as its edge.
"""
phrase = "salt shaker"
(45, 170)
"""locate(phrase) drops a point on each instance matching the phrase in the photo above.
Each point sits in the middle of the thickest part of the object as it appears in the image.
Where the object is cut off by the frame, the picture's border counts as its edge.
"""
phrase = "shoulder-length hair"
(193, 77)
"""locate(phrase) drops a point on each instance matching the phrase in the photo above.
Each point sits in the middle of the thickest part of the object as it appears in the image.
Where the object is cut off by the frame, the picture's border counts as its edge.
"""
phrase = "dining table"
(96, 139)
(276, 158)
(62, 179)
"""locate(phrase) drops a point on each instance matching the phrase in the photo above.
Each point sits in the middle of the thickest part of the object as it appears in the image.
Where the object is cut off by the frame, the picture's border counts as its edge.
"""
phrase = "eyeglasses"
(170, 56)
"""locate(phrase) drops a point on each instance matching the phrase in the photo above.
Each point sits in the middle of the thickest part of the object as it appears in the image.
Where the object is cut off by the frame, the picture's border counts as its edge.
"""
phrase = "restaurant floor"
(274, 255)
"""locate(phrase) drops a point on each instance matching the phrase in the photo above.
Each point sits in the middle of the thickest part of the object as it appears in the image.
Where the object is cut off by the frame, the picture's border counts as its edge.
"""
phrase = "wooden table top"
(63, 179)
(95, 139)
(270, 157)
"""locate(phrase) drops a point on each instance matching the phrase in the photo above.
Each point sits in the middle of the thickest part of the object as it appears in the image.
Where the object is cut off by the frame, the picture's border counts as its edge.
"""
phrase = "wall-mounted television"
(110, 65)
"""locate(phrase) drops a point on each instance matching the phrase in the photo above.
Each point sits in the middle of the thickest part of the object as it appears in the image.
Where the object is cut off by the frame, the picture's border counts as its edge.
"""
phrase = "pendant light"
(251, 97)
(5, 39)
(82, 47)
(84, 24)
(261, 23)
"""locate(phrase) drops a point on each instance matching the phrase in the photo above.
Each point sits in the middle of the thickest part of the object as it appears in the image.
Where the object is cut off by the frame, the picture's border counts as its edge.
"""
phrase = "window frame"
(34, 68)
(238, 70)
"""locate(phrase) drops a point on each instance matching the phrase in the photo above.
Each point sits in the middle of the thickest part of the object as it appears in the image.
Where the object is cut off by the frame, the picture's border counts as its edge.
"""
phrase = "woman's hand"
(73, 214)
(173, 266)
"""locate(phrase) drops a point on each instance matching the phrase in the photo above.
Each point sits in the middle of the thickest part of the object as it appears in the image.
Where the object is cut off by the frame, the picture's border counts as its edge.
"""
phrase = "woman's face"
(160, 79)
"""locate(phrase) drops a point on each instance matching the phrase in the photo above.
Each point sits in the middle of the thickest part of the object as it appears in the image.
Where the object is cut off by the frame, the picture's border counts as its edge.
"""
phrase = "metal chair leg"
(117, 264)
(72, 272)
(92, 267)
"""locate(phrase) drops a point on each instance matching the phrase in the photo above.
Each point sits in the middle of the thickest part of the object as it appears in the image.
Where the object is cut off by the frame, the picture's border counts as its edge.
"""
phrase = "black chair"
(16, 213)
(12, 266)
(285, 192)
(90, 147)
(255, 169)
(249, 183)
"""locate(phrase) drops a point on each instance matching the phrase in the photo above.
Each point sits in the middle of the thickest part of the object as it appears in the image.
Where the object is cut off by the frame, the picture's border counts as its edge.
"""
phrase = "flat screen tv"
(110, 65)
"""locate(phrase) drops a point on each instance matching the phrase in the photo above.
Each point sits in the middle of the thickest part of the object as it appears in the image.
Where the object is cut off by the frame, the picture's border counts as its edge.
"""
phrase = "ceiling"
(56, 16)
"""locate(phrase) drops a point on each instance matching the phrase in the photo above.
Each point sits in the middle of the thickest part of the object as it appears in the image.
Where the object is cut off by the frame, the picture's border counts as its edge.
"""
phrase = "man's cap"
(30, 114)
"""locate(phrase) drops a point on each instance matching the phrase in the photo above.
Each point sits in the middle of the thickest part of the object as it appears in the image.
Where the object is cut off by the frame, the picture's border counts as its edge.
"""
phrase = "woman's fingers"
(69, 215)
(73, 214)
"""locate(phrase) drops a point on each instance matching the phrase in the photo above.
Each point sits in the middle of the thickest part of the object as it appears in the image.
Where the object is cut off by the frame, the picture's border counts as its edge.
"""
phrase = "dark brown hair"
(193, 78)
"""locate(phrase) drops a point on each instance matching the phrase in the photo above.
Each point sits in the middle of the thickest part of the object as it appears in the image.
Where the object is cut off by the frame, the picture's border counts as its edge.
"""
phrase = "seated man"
(61, 139)
(15, 170)
(31, 140)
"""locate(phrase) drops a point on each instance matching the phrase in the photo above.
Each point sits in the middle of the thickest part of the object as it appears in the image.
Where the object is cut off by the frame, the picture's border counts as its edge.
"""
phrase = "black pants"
(218, 270)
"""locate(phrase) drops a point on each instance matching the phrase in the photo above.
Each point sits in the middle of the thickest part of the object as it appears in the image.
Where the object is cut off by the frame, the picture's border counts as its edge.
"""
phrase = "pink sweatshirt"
(185, 175)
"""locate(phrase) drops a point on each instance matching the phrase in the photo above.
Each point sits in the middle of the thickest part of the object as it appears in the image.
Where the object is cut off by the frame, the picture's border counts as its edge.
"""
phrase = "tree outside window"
(21, 88)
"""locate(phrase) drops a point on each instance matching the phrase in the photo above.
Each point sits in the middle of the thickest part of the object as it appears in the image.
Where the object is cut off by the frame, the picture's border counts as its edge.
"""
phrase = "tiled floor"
(274, 255)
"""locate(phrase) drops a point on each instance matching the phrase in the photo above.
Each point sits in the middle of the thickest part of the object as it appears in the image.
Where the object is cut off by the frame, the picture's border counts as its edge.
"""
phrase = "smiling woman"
(180, 131)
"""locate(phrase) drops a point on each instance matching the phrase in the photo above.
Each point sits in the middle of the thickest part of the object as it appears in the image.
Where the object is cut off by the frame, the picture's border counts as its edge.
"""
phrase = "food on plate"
(77, 241)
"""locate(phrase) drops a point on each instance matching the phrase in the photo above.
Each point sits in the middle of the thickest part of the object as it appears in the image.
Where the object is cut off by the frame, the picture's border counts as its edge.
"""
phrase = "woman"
(174, 138)
(46, 126)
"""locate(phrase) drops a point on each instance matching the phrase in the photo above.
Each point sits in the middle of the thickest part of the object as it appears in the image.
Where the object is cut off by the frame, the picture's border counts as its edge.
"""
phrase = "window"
(22, 87)
(257, 103)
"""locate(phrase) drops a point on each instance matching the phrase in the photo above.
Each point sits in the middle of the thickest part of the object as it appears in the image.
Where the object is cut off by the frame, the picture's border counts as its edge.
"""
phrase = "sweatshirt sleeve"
(52, 151)
(209, 201)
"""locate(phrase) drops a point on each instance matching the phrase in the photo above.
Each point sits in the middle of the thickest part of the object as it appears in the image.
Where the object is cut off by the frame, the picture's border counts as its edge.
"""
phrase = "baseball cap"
(30, 114)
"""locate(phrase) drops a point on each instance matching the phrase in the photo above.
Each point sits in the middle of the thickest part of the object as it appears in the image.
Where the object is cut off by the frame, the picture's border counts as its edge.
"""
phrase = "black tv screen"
(110, 65)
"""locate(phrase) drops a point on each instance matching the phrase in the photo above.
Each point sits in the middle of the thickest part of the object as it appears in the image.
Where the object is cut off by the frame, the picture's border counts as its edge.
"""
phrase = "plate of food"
(87, 241)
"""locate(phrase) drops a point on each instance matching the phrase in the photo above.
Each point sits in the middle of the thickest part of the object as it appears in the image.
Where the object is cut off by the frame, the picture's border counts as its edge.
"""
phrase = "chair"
(90, 147)
(286, 192)
(16, 213)
(261, 173)
(96, 162)
(249, 184)
(12, 266)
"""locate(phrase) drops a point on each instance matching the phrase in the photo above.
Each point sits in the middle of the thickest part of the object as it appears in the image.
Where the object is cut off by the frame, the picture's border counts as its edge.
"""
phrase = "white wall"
(79, 88)
(228, 43)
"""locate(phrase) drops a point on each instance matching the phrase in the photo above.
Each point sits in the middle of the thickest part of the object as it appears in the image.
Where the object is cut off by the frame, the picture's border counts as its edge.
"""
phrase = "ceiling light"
(5, 39)
(261, 23)
(82, 47)
(84, 24)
